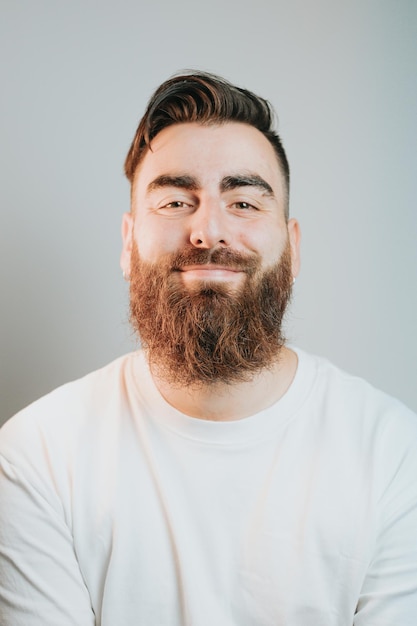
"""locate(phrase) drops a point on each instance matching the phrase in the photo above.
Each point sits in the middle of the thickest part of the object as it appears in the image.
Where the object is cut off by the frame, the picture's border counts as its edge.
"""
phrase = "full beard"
(208, 333)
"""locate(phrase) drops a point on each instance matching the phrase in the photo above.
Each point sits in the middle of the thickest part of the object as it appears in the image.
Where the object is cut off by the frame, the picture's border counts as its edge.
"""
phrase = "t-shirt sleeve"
(40, 580)
(389, 590)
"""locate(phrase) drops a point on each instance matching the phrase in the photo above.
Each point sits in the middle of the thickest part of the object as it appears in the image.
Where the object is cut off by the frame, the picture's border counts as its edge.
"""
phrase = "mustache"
(219, 256)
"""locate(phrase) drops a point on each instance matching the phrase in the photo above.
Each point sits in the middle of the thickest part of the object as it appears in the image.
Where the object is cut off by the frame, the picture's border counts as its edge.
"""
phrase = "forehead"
(209, 153)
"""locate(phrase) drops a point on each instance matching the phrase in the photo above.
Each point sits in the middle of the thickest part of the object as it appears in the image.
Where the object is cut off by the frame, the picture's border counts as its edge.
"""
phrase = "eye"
(245, 206)
(173, 208)
(175, 204)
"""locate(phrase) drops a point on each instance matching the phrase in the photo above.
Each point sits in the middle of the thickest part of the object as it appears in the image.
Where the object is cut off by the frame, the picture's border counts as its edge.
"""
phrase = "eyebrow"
(180, 182)
(228, 183)
(246, 180)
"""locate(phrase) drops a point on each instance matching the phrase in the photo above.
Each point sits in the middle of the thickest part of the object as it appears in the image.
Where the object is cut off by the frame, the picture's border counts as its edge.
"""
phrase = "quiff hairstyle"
(207, 99)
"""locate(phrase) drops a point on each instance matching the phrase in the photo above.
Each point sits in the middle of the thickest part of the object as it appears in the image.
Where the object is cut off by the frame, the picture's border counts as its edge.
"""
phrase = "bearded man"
(217, 475)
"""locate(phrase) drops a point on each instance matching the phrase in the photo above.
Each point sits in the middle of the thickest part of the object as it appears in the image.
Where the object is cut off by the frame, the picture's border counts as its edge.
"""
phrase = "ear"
(294, 236)
(127, 243)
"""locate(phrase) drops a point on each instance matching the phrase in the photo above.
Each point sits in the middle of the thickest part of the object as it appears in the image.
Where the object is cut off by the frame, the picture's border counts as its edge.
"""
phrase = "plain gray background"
(75, 79)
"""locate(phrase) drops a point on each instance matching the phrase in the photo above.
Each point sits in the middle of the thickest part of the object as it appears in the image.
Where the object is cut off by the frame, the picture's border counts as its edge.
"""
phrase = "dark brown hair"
(207, 99)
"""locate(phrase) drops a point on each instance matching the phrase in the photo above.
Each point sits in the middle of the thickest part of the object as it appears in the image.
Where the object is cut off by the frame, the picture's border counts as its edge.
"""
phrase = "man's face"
(208, 188)
(210, 254)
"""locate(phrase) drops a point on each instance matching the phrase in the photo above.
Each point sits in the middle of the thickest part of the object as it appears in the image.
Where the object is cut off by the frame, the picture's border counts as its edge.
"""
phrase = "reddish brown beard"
(208, 333)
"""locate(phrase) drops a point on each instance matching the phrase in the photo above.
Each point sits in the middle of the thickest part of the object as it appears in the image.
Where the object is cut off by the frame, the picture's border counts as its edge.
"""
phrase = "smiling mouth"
(209, 272)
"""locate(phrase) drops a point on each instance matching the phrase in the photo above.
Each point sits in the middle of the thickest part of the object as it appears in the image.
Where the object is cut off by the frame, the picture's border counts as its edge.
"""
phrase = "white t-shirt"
(117, 510)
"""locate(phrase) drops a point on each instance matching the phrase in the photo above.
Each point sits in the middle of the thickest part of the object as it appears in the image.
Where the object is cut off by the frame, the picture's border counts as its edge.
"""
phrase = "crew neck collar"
(246, 430)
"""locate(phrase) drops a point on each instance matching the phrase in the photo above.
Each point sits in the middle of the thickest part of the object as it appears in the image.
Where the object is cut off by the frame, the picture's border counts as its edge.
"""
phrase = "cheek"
(269, 243)
(153, 239)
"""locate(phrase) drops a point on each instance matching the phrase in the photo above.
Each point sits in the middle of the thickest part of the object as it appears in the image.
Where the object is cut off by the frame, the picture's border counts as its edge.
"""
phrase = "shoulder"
(68, 412)
(359, 416)
(350, 404)
(338, 386)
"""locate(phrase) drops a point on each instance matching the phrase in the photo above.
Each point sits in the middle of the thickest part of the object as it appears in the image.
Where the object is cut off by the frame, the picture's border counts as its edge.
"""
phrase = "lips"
(209, 272)
(209, 268)
(212, 261)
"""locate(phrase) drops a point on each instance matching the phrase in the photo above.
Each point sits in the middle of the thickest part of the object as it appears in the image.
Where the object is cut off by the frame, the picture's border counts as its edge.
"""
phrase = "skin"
(208, 187)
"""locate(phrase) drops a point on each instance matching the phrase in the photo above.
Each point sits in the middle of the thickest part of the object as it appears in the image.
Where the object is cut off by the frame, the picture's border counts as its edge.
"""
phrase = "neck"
(222, 402)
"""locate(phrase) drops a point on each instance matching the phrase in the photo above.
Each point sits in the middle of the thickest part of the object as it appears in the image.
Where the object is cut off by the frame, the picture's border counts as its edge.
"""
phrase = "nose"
(209, 226)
